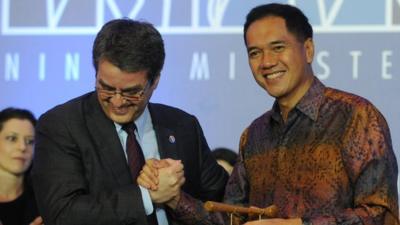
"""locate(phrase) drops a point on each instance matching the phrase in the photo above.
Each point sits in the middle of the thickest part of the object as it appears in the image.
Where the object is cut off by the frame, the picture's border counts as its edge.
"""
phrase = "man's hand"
(164, 179)
(37, 221)
(148, 177)
(170, 180)
(294, 221)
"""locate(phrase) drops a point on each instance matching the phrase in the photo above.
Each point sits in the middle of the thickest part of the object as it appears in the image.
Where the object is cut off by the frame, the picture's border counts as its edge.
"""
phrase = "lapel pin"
(171, 139)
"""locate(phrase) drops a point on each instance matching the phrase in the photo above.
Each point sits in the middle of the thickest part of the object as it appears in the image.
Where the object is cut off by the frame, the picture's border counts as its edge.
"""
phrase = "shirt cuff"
(148, 205)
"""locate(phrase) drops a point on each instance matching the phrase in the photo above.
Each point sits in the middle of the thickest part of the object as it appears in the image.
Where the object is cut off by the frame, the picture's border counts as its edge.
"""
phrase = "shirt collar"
(140, 123)
(309, 104)
(312, 100)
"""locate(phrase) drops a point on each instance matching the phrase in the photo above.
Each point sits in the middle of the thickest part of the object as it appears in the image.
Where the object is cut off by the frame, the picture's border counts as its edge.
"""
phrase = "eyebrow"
(268, 44)
(103, 84)
(133, 88)
(11, 133)
(277, 42)
(15, 133)
(251, 48)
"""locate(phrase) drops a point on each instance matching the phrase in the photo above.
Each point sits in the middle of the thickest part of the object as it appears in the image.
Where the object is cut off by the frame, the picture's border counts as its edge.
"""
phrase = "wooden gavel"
(270, 212)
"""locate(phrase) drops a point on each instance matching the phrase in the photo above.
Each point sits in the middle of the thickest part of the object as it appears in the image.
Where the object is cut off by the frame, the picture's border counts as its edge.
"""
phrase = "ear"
(309, 48)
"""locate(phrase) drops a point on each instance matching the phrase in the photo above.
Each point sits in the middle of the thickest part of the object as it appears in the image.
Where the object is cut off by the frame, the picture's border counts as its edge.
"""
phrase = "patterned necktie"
(136, 160)
(133, 151)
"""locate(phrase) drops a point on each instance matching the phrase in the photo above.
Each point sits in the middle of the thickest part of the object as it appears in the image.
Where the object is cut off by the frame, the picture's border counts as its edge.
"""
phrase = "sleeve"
(371, 165)
(213, 177)
(148, 205)
(191, 211)
(237, 189)
(62, 189)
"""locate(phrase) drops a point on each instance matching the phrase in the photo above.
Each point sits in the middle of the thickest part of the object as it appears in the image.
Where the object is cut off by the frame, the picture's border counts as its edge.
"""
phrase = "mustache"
(126, 105)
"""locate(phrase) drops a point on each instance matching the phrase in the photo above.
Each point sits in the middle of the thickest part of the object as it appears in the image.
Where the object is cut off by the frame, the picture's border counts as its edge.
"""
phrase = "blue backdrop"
(45, 55)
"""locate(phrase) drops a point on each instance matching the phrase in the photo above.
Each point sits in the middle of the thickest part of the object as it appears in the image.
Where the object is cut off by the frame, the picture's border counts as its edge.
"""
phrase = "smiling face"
(280, 63)
(16, 146)
(118, 107)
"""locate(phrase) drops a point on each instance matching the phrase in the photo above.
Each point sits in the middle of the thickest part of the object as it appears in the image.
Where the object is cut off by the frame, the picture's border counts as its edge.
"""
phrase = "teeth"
(274, 75)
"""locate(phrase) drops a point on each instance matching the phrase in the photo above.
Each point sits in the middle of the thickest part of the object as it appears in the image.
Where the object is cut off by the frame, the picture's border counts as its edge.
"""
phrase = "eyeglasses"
(132, 95)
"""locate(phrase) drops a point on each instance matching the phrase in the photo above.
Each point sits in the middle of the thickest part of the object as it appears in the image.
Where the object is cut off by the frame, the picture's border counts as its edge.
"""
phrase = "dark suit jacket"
(80, 174)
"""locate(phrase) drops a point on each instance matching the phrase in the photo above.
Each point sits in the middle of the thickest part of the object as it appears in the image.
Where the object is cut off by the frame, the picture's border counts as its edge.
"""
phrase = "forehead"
(22, 126)
(115, 77)
(268, 29)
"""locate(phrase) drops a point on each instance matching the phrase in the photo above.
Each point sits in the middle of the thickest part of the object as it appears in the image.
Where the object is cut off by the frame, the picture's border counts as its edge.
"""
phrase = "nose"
(22, 145)
(269, 60)
(117, 100)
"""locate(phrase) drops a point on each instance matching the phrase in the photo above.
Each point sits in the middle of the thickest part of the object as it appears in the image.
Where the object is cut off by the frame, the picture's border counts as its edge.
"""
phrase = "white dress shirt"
(146, 137)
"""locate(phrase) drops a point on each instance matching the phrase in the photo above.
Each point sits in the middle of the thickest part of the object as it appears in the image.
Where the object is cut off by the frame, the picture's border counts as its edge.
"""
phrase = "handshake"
(164, 179)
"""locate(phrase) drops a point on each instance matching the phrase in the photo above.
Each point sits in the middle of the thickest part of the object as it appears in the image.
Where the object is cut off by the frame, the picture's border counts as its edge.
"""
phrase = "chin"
(275, 92)
(18, 171)
(120, 118)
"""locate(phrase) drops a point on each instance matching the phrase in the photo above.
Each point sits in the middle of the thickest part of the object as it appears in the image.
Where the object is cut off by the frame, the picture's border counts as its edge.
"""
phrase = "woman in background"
(17, 202)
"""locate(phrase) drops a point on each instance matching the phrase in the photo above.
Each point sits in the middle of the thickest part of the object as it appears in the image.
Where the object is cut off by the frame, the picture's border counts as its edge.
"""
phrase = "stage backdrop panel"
(45, 55)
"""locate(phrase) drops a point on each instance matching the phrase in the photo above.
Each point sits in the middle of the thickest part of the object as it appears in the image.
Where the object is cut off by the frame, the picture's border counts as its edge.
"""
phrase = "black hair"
(16, 113)
(296, 22)
(130, 45)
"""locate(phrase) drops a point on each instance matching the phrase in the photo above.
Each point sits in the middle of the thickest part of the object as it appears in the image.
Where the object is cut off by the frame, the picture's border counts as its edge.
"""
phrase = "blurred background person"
(226, 158)
(17, 202)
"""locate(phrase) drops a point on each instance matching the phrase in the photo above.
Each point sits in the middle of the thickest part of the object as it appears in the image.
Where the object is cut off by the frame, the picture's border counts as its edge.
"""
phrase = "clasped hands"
(163, 178)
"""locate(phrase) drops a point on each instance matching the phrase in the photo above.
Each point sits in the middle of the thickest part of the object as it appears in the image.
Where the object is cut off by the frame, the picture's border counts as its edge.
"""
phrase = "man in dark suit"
(81, 174)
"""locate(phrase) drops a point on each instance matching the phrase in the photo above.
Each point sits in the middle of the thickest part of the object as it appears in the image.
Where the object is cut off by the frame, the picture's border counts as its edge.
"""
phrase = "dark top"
(80, 174)
(20, 211)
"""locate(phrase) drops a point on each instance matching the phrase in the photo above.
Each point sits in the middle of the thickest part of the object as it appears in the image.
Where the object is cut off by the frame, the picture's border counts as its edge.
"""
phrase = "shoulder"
(67, 109)
(167, 110)
(354, 104)
(261, 122)
(346, 98)
(257, 128)
(64, 115)
(164, 114)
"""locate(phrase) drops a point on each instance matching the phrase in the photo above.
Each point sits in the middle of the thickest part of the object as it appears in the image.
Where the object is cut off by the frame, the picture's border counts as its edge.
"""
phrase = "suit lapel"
(106, 141)
(166, 135)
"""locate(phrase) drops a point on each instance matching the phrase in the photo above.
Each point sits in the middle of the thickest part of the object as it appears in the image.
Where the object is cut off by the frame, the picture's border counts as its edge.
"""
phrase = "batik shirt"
(331, 162)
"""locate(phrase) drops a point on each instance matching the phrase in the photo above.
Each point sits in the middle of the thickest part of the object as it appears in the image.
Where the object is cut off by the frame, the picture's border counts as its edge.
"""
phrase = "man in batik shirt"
(321, 155)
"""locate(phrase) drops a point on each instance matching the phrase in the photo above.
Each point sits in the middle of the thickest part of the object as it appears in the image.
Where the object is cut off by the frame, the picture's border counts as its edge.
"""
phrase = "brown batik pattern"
(332, 162)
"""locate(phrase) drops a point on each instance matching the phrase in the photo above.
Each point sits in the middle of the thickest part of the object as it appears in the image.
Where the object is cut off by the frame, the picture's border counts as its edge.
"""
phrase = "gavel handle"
(270, 212)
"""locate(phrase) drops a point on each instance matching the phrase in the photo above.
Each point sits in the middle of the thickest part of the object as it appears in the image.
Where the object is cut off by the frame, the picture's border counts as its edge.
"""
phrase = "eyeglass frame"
(136, 97)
